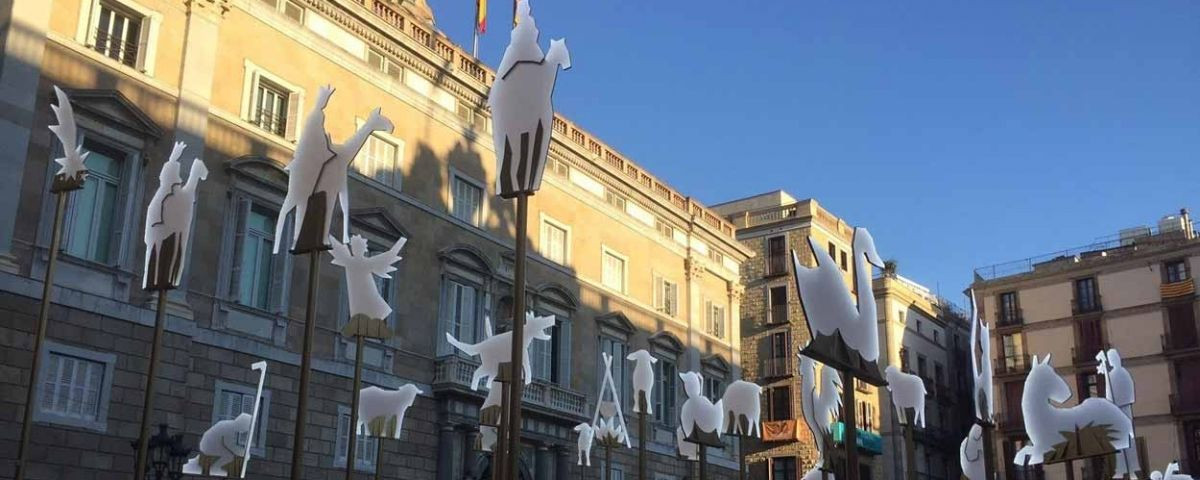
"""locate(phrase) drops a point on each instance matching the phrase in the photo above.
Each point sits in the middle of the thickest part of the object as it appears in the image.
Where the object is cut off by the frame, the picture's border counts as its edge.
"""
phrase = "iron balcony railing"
(1080, 306)
(456, 372)
(1012, 365)
(774, 367)
(777, 265)
(113, 47)
(1176, 341)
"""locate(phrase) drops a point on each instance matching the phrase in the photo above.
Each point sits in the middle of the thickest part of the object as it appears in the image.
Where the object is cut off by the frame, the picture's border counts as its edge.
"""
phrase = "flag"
(481, 16)
(515, 12)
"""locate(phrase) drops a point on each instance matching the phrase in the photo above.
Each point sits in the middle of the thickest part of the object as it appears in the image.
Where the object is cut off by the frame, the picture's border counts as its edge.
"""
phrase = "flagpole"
(475, 32)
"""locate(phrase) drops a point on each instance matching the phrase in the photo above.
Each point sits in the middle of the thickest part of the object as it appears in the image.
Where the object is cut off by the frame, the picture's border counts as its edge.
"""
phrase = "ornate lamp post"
(166, 455)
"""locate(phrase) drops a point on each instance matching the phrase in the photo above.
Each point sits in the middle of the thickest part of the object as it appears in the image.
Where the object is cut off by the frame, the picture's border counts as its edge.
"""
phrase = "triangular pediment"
(259, 168)
(615, 324)
(665, 342)
(379, 221)
(112, 108)
(715, 363)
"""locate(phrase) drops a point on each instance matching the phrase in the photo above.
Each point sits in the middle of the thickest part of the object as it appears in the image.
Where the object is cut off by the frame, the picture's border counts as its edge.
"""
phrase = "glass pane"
(83, 211)
(104, 226)
(262, 276)
(246, 277)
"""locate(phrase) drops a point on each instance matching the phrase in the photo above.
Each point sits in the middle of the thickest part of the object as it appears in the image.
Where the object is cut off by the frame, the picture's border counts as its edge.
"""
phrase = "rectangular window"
(74, 387)
(776, 256)
(777, 296)
(715, 316)
(460, 310)
(937, 337)
(712, 387)
(468, 201)
(232, 400)
(615, 199)
(832, 250)
(93, 224)
(255, 264)
(1086, 297)
(666, 296)
(937, 374)
(379, 160)
(365, 447)
(921, 365)
(1181, 319)
(1175, 271)
(119, 35)
(614, 271)
(1089, 385)
(1014, 351)
(664, 229)
(904, 360)
(784, 468)
(620, 377)
(271, 111)
(1009, 310)
(665, 395)
(554, 242)
(541, 357)
(383, 63)
(780, 404)
(845, 262)
(617, 472)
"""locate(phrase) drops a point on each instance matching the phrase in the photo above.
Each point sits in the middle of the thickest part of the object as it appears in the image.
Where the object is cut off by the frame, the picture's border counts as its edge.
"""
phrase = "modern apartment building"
(928, 336)
(773, 328)
(623, 260)
(1134, 292)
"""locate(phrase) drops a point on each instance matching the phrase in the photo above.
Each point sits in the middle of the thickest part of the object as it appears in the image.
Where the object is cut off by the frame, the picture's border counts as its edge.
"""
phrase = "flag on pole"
(481, 16)
(515, 19)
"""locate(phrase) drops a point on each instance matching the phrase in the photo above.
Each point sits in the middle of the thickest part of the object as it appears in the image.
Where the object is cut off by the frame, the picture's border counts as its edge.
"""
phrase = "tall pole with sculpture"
(522, 124)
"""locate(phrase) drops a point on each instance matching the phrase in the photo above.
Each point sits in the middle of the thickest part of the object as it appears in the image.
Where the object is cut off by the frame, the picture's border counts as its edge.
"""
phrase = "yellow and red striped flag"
(481, 16)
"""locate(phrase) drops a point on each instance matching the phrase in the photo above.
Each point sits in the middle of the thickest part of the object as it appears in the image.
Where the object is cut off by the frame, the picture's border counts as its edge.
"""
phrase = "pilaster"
(695, 312)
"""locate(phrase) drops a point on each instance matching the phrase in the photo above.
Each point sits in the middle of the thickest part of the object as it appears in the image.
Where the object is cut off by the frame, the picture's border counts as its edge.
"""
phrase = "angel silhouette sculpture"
(522, 112)
(169, 222)
(317, 178)
(368, 309)
(72, 172)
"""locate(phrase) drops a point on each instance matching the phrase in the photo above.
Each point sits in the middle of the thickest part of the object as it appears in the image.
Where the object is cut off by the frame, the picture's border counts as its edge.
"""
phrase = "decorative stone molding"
(694, 267)
(212, 8)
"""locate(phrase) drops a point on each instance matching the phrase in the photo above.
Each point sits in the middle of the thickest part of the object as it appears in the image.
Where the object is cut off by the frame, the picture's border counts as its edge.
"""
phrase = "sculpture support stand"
(40, 336)
(989, 450)
(642, 436)
(910, 450)
(703, 460)
(379, 459)
(353, 434)
(607, 461)
(849, 425)
(160, 324)
(310, 327)
(516, 368)
(741, 457)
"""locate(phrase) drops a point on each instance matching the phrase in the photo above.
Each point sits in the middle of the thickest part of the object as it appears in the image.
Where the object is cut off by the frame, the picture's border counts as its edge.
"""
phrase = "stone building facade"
(774, 328)
(1134, 292)
(623, 260)
(925, 335)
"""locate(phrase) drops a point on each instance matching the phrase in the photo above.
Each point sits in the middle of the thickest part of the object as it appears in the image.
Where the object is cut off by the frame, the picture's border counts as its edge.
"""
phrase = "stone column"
(736, 292)
(20, 72)
(450, 452)
(543, 463)
(696, 313)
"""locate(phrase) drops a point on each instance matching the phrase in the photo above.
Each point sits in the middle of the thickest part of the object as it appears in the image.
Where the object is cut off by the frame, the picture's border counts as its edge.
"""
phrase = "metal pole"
(910, 450)
(703, 460)
(499, 449)
(40, 336)
(379, 458)
(742, 457)
(310, 327)
(849, 426)
(607, 461)
(989, 450)
(518, 332)
(1070, 466)
(475, 32)
(160, 324)
(353, 437)
(642, 436)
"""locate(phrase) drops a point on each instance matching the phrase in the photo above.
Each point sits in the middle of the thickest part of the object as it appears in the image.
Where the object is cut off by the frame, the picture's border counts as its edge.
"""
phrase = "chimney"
(1188, 232)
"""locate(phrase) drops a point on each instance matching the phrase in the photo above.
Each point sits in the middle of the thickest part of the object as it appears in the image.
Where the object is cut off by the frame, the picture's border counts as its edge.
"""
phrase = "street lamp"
(166, 453)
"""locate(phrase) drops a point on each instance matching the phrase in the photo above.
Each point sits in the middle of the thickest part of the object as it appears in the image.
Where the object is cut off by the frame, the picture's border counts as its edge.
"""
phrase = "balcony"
(765, 216)
(778, 315)
(1011, 319)
(776, 367)
(1179, 343)
(1014, 365)
(454, 373)
(1084, 306)
(1086, 354)
(1185, 405)
(1177, 289)
(780, 431)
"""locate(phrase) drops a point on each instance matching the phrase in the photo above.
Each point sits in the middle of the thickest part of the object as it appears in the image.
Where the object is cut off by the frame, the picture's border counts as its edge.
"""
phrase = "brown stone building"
(623, 260)
(774, 327)
(1134, 292)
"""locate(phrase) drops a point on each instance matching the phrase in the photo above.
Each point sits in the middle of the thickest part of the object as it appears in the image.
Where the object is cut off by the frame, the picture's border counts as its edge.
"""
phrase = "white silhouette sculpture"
(821, 407)
(1118, 389)
(908, 391)
(1171, 473)
(169, 222)
(700, 417)
(522, 112)
(222, 454)
(608, 421)
(319, 168)
(381, 412)
(643, 379)
(742, 402)
(71, 168)
(832, 311)
(583, 445)
(1050, 428)
(981, 365)
(368, 309)
(495, 350)
(970, 454)
(688, 450)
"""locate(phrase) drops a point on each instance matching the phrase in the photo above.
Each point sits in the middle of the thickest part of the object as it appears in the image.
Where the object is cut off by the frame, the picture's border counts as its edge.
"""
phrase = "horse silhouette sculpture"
(1094, 427)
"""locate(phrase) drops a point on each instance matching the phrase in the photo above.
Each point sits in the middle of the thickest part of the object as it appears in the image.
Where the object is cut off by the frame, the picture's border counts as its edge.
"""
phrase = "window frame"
(120, 212)
(482, 213)
(1086, 292)
(1008, 313)
(548, 221)
(88, 25)
(660, 395)
(253, 74)
(339, 454)
(772, 306)
(605, 252)
(222, 386)
(711, 307)
(109, 360)
(663, 303)
(399, 146)
(1167, 268)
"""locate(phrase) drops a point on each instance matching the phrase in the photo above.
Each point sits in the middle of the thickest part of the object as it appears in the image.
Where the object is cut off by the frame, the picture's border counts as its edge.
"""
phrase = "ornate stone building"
(774, 328)
(623, 260)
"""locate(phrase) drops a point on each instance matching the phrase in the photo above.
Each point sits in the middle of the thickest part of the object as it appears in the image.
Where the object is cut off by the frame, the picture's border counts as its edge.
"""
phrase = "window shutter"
(564, 342)
(50, 382)
(241, 208)
(343, 437)
(293, 116)
(279, 272)
(659, 302)
(444, 319)
(469, 315)
(70, 402)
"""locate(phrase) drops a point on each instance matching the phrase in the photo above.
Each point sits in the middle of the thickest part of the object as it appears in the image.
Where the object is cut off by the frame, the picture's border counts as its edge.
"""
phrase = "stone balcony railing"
(765, 216)
(454, 372)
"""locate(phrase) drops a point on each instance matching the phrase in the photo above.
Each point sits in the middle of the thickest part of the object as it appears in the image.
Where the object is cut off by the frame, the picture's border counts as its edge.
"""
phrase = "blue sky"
(961, 133)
